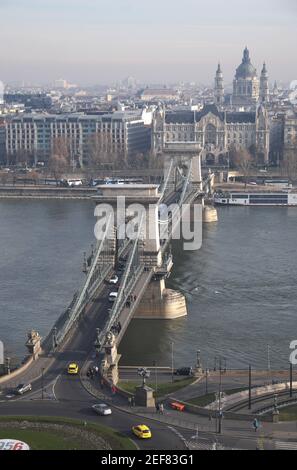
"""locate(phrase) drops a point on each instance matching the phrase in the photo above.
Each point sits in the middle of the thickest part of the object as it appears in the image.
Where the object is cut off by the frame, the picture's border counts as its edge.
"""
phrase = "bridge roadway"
(68, 396)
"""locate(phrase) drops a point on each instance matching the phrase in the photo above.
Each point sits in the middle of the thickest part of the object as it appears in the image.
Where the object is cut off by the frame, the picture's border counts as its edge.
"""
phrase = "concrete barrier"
(17, 372)
(236, 398)
(197, 410)
(18, 192)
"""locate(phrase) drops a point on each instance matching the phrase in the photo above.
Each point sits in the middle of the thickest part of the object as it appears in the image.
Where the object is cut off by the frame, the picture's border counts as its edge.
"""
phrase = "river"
(240, 287)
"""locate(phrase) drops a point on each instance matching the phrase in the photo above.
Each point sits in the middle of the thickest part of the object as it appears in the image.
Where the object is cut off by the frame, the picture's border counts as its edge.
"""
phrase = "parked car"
(102, 409)
(22, 388)
(185, 371)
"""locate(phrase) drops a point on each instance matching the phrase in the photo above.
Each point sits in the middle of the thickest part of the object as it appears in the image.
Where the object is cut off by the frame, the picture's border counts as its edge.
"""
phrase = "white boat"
(257, 198)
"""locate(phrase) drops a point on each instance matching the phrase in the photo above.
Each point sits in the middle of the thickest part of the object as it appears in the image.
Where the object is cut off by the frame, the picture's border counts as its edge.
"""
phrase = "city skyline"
(94, 43)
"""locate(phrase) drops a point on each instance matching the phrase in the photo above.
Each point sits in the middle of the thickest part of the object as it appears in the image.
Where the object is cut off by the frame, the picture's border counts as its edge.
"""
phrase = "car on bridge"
(113, 280)
(142, 431)
(102, 409)
(73, 369)
(113, 296)
(22, 388)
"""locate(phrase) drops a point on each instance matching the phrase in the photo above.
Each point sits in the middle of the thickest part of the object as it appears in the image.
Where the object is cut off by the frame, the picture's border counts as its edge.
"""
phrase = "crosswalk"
(281, 445)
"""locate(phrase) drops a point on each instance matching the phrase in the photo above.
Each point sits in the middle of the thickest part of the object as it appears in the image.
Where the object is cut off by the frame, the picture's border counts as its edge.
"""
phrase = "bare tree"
(21, 157)
(100, 152)
(57, 166)
(243, 161)
(60, 158)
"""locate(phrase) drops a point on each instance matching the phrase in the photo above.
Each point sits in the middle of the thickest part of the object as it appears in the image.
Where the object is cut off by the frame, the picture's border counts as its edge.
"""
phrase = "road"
(70, 399)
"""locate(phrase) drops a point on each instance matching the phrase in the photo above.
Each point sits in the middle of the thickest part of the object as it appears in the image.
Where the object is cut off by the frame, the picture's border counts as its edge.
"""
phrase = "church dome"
(246, 69)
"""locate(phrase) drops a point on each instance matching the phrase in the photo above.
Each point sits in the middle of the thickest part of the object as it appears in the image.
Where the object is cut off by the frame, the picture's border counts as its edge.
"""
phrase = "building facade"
(36, 134)
(290, 137)
(2, 142)
(216, 131)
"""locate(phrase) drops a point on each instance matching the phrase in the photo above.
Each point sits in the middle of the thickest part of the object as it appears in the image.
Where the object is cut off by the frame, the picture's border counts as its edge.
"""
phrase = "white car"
(21, 389)
(113, 296)
(102, 409)
(114, 280)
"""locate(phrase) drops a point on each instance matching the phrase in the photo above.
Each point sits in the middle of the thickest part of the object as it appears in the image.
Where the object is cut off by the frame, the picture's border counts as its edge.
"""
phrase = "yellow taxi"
(142, 431)
(73, 369)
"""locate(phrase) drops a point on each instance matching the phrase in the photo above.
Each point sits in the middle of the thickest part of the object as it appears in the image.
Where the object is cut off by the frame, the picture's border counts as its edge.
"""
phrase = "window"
(210, 134)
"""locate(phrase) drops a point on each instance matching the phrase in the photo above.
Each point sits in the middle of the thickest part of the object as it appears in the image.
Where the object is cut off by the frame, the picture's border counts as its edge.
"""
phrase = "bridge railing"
(132, 271)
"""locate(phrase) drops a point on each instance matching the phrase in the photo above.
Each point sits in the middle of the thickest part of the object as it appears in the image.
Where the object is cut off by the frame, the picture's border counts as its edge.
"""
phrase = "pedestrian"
(157, 408)
(256, 424)
(161, 408)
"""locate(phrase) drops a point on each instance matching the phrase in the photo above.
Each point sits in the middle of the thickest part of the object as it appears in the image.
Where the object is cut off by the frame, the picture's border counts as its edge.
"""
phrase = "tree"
(243, 161)
(57, 166)
(21, 157)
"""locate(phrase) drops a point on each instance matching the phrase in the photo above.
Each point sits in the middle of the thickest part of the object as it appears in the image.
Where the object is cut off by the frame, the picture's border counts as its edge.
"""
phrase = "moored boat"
(259, 198)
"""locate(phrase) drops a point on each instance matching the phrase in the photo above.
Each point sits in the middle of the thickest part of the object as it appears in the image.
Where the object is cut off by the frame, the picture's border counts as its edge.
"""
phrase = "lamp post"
(156, 377)
(250, 387)
(145, 374)
(172, 362)
(206, 380)
(7, 360)
(291, 380)
(42, 383)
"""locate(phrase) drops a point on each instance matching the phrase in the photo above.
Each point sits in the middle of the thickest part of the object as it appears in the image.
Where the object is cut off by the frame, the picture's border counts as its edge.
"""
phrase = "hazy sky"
(100, 41)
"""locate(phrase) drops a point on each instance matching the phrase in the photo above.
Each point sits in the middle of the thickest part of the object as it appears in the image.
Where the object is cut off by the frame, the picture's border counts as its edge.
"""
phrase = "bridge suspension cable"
(85, 294)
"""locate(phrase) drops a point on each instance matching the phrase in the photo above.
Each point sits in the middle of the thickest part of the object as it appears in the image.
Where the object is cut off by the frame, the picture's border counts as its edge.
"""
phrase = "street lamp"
(156, 378)
(42, 383)
(172, 362)
(145, 374)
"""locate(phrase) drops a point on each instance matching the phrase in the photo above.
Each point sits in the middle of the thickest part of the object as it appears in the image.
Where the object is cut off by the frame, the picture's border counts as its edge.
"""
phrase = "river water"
(240, 287)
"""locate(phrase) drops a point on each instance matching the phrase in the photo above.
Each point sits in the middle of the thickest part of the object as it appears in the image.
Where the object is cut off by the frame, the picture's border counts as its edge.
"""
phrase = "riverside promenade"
(46, 192)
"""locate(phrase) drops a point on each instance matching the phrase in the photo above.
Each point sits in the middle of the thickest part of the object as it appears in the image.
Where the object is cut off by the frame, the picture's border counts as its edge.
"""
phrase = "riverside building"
(216, 131)
(35, 133)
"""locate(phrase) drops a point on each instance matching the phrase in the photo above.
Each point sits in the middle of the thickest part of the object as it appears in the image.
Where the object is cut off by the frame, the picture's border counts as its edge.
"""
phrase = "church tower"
(264, 86)
(246, 83)
(219, 87)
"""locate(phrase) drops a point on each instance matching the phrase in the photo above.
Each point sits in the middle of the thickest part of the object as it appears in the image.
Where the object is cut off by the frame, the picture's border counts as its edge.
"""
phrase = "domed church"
(246, 84)
(248, 90)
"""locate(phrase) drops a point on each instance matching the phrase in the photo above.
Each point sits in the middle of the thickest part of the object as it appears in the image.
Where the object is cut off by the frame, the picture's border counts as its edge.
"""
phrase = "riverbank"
(46, 192)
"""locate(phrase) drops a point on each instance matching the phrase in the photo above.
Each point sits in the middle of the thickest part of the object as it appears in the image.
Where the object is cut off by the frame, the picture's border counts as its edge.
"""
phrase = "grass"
(205, 400)
(288, 414)
(45, 440)
(163, 388)
(59, 440)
